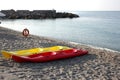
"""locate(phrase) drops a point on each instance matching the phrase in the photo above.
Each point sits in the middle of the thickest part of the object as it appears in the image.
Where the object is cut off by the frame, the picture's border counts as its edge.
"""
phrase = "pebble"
(96, 65)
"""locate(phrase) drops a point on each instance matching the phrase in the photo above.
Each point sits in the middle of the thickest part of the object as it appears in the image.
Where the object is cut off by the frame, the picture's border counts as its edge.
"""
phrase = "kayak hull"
(28, 52)
(50, 56)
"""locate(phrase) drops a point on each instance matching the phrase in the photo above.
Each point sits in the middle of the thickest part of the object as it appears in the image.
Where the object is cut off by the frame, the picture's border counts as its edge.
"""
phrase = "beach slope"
(99, 64)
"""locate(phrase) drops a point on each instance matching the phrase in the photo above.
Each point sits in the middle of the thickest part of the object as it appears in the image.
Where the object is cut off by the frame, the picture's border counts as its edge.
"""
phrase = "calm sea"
(97, 28)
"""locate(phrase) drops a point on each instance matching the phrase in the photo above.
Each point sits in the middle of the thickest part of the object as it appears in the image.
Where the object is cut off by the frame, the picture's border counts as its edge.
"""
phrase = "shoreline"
(69, 42)
(107, 49)
(100, 63)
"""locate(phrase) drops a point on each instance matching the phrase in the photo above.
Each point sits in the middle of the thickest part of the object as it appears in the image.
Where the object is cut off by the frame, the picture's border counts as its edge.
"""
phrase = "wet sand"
(99, 64)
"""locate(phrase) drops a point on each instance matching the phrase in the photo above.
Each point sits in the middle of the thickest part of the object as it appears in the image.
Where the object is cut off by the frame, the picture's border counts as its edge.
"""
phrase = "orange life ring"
(25, 32)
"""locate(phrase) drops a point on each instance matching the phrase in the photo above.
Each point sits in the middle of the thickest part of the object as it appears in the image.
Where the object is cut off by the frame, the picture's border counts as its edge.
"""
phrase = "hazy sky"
(81, 5)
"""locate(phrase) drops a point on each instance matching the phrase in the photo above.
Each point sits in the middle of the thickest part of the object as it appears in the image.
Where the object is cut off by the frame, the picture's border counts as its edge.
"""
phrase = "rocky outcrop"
(66, 15)
(35, 14)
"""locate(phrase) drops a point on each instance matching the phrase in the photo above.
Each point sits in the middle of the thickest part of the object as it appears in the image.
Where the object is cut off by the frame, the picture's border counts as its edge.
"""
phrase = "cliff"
(35, 14)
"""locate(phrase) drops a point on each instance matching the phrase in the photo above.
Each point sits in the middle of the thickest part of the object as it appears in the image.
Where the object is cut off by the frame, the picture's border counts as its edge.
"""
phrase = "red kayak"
(50, 56)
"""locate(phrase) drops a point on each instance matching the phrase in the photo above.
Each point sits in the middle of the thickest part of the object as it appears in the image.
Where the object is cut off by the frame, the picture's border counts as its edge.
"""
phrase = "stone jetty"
(35, 14)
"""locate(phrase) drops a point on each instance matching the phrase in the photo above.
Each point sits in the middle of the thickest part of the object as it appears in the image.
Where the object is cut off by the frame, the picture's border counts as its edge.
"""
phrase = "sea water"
(96, 28)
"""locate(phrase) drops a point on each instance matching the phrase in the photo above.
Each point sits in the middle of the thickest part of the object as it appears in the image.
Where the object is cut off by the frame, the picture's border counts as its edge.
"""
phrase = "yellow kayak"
(27, 52)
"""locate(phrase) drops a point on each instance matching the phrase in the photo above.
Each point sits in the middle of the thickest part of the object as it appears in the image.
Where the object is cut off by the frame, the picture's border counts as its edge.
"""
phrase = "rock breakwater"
(35, 14)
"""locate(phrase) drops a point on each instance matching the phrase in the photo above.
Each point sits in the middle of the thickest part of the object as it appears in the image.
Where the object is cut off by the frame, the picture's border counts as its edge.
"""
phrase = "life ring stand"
(25, 32)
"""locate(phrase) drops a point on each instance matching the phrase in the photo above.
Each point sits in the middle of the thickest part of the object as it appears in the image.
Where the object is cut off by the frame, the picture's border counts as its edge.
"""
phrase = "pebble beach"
(99, 64)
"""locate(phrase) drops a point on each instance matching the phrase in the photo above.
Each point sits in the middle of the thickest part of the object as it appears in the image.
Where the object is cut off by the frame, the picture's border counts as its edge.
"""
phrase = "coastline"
(107, 49)
(100, 63)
